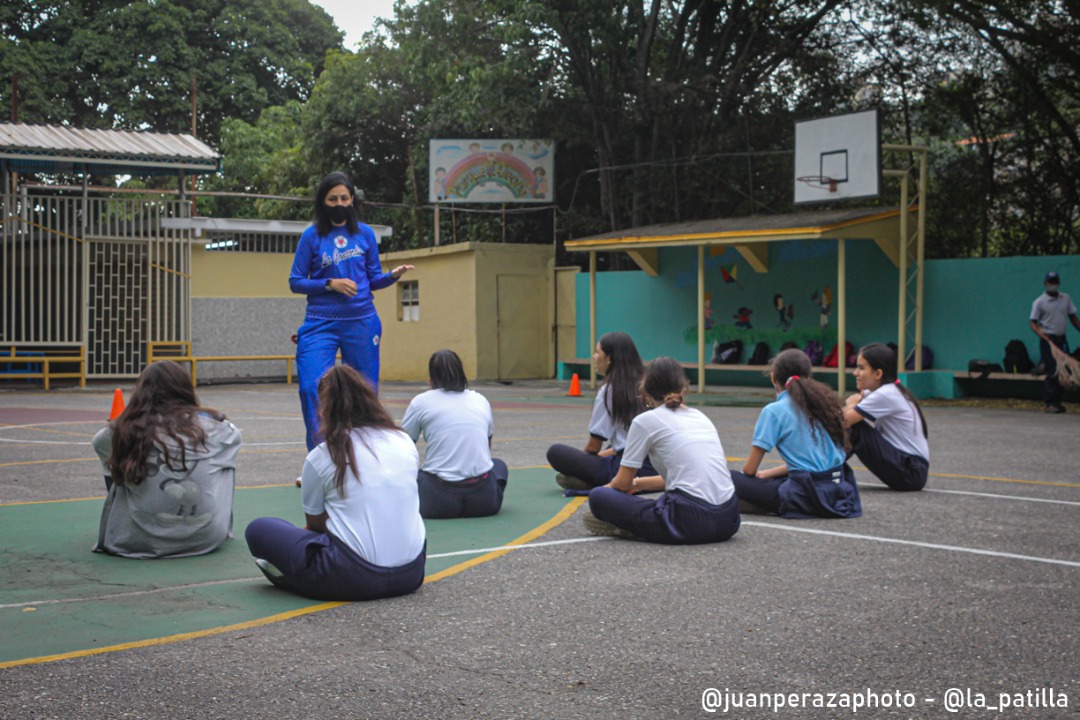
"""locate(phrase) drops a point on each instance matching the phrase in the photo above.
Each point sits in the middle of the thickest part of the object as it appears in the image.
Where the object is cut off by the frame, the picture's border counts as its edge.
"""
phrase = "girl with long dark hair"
(806, 427)
(617, 403)
(895, 447)
(337, 267)
(459, 477)
(364, 538)
(698, 504)
(170, 471)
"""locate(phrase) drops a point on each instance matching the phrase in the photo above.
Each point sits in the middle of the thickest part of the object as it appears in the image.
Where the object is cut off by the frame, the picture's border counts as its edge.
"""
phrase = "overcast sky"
(355, 17)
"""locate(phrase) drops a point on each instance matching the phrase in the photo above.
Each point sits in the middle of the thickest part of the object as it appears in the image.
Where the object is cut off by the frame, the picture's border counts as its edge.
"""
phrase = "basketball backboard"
(838, 157)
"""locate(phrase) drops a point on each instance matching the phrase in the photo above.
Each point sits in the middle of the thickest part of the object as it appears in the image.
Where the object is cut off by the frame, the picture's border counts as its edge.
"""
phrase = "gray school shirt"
(173, 512)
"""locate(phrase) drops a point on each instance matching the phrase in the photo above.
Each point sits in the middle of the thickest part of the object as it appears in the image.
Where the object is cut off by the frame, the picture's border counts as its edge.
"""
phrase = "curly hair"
(820, 405)
(163, 405)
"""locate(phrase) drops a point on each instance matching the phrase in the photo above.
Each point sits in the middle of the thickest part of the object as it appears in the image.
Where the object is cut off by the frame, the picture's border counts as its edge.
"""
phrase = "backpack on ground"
(815, 352)
(982, 368)
(1016, 359)
(850, 357)
(787, 345)
(761, 354)
(927, 359)
(727, 353)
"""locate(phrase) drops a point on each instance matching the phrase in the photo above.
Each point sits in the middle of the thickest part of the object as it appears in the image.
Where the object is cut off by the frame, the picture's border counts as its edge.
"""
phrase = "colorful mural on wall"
(491, 171)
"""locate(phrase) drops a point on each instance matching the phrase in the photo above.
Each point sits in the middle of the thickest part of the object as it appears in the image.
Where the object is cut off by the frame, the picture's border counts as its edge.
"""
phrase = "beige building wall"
(494, 304)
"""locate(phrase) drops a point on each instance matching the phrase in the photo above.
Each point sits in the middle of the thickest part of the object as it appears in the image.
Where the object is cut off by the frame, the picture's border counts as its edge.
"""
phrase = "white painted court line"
(1002, 497)
(915, 543)
(569, 541)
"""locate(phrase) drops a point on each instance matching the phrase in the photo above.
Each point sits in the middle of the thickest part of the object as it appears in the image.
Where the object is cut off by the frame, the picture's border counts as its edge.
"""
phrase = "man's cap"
(1051, 277)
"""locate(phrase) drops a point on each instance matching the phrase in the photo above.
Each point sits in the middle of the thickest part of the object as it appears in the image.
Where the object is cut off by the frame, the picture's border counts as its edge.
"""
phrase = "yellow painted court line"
(1019, 481)
(560, 517)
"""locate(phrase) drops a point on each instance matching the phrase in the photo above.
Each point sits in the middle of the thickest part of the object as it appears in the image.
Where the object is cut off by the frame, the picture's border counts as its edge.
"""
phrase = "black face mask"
(339, 213)
(1052, 290)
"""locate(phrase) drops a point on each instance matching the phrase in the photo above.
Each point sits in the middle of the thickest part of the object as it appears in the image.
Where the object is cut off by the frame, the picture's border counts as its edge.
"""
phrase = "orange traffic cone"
(117, 404)
(575, 387)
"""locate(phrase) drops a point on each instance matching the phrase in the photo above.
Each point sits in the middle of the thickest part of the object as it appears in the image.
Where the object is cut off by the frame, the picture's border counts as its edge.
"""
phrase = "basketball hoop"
(819, 181)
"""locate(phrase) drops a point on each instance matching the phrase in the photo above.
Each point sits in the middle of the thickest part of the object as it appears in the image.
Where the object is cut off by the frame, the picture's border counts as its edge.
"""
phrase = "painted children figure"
(895, 447)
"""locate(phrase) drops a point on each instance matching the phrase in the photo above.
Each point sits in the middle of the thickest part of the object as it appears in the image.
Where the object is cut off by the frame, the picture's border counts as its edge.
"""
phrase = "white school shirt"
(1052, 313)
(685, 449)
(379, 517)
(457, 427)
(897, 419)
(602, 425)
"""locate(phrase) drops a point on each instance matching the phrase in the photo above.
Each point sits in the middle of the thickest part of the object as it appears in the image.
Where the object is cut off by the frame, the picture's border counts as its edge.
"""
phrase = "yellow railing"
(49, 357)
(180, 351)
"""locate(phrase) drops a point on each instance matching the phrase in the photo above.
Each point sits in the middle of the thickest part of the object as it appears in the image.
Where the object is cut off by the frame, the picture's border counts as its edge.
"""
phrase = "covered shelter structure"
(95, 270)
(890, 229)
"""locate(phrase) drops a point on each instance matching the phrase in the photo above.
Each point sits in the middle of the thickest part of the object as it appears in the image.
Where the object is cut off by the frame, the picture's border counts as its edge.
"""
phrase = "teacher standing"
(337, 267)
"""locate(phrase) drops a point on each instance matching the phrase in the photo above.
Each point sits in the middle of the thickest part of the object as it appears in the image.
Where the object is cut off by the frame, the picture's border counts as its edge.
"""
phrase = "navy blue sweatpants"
(475, 497)
(675, 518)
(319, 566)
(317, 344)
(897, 469)
(593, 469)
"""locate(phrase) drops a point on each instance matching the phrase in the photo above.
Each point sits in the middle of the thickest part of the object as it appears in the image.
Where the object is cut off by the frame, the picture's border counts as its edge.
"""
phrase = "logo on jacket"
(375, 340)
(340, 242)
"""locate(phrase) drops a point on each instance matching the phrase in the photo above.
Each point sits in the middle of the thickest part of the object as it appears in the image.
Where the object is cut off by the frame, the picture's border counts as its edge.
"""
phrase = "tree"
(124, 64)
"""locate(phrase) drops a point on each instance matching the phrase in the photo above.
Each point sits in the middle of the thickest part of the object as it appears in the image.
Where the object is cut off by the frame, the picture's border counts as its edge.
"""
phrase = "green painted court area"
(59, 597)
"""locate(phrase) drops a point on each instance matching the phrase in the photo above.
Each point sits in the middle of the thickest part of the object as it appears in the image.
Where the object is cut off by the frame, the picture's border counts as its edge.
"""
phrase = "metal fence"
(96, 271)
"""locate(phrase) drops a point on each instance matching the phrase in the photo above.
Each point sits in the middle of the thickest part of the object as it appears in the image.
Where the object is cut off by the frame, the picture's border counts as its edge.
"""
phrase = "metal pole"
(437, 223)
(841, 315)
(701, 317)
(901, 342)
(919, 257)
(592, 317)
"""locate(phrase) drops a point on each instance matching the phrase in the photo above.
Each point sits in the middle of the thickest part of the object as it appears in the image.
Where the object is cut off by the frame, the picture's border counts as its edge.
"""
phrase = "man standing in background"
(1050, 314)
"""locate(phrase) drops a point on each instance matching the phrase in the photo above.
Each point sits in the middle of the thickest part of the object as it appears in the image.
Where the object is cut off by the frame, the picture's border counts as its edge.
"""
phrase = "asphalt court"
(971, 584)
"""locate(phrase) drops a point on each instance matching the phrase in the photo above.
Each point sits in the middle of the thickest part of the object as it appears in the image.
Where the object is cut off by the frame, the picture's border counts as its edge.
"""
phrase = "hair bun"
(673, 400)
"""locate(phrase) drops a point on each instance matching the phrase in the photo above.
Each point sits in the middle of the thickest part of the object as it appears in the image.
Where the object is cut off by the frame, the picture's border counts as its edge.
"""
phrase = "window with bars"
(408, 301)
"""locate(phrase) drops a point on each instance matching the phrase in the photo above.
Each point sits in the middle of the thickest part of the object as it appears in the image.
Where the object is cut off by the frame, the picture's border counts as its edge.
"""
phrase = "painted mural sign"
(491, 171)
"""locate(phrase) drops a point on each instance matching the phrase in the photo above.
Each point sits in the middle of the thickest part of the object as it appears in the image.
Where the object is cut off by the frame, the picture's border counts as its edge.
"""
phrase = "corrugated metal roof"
(757, 228)
(44, 145)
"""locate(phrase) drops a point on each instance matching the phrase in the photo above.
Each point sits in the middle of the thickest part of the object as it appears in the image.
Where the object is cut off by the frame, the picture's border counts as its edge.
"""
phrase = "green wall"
(972, 307)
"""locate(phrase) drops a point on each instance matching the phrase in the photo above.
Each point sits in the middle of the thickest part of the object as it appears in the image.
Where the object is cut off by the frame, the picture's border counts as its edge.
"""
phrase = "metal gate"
(100, 272)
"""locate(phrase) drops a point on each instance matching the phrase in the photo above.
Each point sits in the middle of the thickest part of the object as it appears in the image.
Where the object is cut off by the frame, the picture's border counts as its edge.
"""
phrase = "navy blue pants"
(1053, 393)
(593, 469)
(317, 343)
(675, 518)
(475, 497)
(801, 494)
(897, 469)
(319, 566)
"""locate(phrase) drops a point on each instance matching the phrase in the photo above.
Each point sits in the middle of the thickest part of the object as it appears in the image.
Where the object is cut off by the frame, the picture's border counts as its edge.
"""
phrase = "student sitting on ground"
(806, 427)
(698, 504)
(364, 537)
(617, 402)
(459, 477)
(894, 448)
(170, 470)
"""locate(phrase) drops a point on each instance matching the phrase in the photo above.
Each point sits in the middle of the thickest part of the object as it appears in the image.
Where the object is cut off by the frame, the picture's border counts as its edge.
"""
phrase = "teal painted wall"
(660, 312)
(973, 307)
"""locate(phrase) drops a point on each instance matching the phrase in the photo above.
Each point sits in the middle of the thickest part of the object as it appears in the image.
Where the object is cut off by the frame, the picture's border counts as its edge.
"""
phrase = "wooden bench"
(41, 362)
(180, 352)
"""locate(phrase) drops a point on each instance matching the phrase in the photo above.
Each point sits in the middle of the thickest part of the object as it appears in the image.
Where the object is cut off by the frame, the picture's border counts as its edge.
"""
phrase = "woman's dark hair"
(446, 371)
(820, 404)
(665, 382)
(623, 378)
(346, 403)
(883, 358)
(162, 406)
(323, 224)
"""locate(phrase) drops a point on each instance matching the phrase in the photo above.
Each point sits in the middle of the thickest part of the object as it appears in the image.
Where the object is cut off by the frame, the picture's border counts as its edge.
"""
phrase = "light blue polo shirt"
(783, 426)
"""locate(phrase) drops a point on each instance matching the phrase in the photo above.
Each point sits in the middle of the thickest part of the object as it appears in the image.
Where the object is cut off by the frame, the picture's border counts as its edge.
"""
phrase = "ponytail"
(883, 358)
(817, 402)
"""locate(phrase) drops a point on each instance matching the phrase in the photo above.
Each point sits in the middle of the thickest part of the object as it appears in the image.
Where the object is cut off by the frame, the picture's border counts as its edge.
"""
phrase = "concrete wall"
(973, 307)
